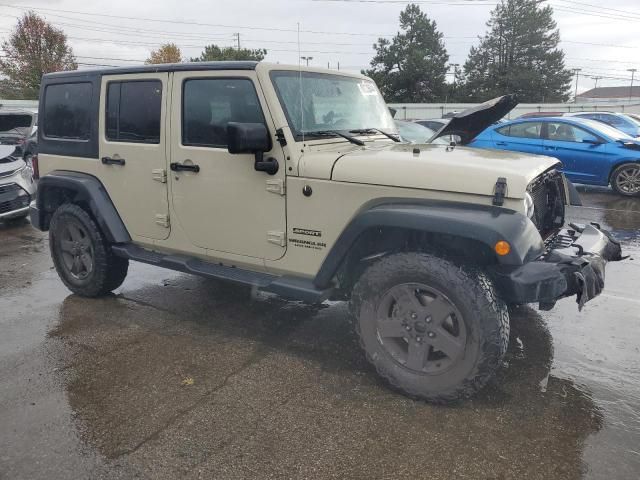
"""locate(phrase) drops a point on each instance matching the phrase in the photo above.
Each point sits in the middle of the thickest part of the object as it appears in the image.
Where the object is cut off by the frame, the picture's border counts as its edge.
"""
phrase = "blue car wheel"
(626, 179)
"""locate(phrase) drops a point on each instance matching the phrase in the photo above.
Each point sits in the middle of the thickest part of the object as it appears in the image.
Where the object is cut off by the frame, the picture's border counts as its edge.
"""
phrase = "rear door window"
(133, 111)
(522, 130)
(67, 111)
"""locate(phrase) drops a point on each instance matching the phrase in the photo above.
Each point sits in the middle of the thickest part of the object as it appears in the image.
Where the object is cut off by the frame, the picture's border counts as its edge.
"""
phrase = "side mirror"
(247, 138)
(252, 138)
(592, 141)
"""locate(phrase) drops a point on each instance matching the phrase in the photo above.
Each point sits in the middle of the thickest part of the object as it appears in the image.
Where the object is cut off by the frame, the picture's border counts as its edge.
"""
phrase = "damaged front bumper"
(574, 264)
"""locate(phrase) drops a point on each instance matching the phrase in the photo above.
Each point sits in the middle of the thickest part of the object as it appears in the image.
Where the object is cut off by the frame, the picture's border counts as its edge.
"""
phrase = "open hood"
(470, 122)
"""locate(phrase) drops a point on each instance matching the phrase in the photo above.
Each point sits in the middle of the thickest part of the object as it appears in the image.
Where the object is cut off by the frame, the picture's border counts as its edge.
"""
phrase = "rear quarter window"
(67, 111)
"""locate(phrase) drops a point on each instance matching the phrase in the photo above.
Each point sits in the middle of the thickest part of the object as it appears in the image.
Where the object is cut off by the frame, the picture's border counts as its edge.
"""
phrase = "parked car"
(230, 181)
(434, 124)
(17, 185)
(622, 122)
(635, 116)
(541, 114)
(412, 132)
(591, 152)
(16, 127)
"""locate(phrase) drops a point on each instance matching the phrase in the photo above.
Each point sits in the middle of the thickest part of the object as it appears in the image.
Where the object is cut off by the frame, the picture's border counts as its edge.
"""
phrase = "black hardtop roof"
(164, 67)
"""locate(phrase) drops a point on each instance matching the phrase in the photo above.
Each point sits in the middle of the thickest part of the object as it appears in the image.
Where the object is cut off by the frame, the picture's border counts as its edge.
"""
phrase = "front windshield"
(321, 102)
(14, 122)
(607, 130)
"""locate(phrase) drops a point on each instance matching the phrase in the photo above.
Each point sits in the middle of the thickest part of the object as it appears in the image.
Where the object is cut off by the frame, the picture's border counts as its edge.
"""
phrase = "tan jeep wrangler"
(294, 181)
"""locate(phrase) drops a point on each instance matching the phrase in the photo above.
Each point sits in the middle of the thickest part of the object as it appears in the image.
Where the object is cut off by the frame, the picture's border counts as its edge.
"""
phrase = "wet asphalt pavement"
(178, 376)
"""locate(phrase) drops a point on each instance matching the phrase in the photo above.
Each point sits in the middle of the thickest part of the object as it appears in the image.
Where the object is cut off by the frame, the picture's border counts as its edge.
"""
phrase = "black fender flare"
(86, 189)
(486, 224)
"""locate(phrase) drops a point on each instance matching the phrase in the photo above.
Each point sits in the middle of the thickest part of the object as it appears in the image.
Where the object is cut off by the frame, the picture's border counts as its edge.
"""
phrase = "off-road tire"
(615, 179)
(485, 318)
(108, 272)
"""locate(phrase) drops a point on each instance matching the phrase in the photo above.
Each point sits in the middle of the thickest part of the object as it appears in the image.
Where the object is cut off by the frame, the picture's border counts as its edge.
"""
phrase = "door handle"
(181, 167)
(501, 144)
(112, 161)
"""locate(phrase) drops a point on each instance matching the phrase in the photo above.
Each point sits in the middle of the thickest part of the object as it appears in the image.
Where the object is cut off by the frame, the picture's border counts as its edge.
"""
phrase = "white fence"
(417, 111)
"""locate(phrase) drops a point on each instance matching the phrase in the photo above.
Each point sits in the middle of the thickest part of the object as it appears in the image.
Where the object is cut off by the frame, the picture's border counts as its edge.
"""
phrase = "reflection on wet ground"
(180, 376)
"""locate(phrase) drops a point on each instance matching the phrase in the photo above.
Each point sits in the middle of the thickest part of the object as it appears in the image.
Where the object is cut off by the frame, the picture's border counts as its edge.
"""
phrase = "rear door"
(520, 137)
(133, 113)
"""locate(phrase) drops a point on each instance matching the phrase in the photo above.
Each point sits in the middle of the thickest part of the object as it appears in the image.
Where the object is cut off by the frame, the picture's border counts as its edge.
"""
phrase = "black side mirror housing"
(252, 138)
(247, 138)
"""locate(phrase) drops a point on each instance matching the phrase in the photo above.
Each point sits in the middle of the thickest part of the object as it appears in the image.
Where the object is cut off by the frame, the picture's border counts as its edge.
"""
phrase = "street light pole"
(633, 72)
(306, 59)
(576, 71)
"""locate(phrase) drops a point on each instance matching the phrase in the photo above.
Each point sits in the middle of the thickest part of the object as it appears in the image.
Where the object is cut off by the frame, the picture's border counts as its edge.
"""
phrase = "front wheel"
(81, 254)
(432, 329)
(625, 179)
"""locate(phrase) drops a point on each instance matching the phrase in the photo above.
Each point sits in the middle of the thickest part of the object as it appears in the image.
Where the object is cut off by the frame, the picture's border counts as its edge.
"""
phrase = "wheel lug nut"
(428, 320)
(414, 315)
(407, 327)
(431, 334)
(418, 339)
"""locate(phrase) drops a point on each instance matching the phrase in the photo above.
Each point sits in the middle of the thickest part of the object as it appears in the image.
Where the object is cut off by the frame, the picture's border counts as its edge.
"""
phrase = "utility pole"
(633, 72)
(596, 79)
(306, 59)
(237, 36)
(455, 74)
(576, 71)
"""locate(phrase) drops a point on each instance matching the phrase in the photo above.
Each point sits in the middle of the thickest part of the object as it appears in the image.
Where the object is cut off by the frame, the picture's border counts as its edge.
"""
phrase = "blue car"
(591, 152)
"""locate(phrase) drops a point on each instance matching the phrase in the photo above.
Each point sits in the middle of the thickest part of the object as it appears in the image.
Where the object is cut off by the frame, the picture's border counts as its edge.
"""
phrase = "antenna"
(300, 85)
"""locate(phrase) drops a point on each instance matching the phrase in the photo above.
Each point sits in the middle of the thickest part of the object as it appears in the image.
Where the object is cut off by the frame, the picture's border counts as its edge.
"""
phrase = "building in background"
(611, 95)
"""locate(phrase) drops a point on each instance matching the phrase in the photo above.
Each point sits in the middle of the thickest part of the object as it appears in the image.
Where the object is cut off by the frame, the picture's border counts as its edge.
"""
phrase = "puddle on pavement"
(177, 375)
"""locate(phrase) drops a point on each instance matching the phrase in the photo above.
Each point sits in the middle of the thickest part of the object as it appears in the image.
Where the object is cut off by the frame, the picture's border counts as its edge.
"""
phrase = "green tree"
(213, 52)
(167, 53)
(412, 66)
(519, 54)
(34, 48)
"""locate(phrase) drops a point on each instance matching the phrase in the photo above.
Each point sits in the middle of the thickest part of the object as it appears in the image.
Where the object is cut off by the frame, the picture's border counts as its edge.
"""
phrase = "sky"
(602, 41)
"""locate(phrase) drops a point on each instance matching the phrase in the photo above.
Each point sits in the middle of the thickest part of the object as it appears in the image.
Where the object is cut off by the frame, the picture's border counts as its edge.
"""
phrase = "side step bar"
(295, 288)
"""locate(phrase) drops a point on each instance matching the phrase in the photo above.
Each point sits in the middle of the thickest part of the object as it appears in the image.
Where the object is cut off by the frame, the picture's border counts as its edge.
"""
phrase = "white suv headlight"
(529, 207)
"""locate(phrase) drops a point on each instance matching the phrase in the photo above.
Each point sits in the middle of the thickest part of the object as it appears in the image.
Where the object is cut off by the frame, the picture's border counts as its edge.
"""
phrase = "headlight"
(529, 207)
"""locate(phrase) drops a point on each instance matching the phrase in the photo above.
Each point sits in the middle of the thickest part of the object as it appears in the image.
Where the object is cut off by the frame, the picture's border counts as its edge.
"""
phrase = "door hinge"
(159, 175)
(276, 186)
(162, 220)
(277, 238)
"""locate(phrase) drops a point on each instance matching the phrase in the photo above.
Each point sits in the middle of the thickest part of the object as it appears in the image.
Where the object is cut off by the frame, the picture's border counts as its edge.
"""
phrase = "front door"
(583, 155)
(133, 157)
(226, 205)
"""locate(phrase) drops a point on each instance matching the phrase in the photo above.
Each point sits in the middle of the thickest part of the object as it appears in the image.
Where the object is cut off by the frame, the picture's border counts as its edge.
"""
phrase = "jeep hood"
(470, 122)
(436, 167)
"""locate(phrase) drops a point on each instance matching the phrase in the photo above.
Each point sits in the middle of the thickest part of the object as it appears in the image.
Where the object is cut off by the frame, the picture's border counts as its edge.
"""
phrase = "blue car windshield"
(604, 129)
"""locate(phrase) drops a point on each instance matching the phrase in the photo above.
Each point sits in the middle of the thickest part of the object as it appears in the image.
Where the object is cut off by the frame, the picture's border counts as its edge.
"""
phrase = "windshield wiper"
(368, 131)
(333, 133)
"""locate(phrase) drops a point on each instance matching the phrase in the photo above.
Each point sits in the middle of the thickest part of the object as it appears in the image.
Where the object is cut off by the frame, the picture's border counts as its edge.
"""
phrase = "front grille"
(547, 192)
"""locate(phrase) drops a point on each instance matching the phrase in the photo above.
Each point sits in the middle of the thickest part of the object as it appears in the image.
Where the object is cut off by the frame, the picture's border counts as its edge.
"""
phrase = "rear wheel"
(625, 179)
(432, 329)
(81, 254)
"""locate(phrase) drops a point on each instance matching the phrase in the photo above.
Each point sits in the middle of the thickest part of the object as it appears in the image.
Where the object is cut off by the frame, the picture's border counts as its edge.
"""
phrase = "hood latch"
(500, 191)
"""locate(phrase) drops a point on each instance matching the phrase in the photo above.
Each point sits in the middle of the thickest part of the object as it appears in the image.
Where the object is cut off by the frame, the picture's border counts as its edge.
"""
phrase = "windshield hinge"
(500, 192)
(276, 186)
(277, 238)
(159, 175)
(280, 136)
(162, 220)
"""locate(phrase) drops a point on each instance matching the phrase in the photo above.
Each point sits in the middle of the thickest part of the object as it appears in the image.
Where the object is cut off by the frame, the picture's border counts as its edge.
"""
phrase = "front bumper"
(573, 265)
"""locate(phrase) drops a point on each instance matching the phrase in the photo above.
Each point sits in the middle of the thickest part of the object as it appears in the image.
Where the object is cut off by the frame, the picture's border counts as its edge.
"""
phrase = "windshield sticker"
(367, 88)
